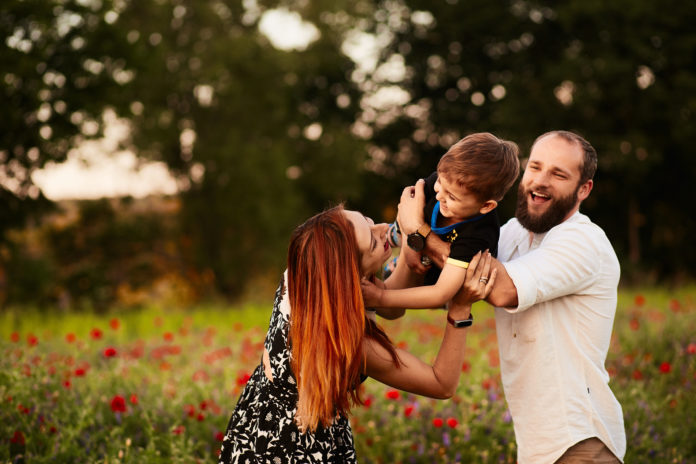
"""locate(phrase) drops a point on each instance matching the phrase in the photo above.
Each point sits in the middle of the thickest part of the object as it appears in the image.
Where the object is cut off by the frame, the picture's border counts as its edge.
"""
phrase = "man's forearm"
(504, 292)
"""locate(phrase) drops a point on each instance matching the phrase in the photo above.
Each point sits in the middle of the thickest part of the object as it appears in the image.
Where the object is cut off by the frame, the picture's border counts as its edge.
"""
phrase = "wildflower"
(190, 410)
(178, 430)
(393, 394)
(70, 337)
(466, 366)
(67, 384)
(17, 437)
(243, 379)
(368, 402)
(14, 337)
(665, 367)
(639, 300)
(452, 422)
(675, 306)
(691, 349)
(80, 372)
(32, 340)
(95, 333)
(168, 336)
(133, 399)
(109, 352)
(437, 422)
(634, 324)
(118, 404)
(203, 405)
(637, 375)
(408, 410)
(200, 417)
(219, 436)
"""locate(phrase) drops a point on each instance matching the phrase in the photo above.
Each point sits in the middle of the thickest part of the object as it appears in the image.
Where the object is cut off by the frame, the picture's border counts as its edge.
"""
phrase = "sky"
(99, 169)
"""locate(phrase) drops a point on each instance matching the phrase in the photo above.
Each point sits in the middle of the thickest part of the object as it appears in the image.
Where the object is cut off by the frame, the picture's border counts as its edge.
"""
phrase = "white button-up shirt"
(554, 344)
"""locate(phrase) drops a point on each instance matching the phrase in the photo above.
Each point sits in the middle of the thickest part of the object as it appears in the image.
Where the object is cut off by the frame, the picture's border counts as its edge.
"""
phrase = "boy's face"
(456, 201)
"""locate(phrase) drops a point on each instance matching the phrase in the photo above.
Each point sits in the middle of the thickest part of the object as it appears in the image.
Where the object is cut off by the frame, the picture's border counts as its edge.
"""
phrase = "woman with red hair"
(321, 344)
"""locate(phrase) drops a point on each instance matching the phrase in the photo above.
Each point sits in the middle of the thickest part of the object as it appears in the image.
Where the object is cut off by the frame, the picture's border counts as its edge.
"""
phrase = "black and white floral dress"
(262, 428)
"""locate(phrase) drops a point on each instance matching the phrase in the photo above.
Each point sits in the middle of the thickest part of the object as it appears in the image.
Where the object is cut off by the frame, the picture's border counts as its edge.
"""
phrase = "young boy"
(461, 199)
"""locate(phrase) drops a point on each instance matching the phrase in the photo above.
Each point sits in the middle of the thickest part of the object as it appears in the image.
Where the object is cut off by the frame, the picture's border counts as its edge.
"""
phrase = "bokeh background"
(156, 154)
(242, 118)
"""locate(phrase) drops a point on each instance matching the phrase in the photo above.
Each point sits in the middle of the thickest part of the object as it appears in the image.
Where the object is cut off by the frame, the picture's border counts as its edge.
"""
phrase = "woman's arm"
(439, 380)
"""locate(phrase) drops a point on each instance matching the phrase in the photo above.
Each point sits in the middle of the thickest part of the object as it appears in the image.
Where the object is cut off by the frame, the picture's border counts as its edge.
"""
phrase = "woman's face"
(372, 242)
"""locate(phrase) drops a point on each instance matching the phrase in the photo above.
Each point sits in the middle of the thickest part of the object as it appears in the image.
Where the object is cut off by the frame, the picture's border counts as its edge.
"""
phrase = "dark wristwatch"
(461, 323)
(416, 240)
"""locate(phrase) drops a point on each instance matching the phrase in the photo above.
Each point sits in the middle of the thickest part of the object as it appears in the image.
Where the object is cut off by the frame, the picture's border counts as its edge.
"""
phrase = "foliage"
(620, 73)
(159, 386)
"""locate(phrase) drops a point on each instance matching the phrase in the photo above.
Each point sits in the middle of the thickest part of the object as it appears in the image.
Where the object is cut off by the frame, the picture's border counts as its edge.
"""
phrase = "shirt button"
(514, 335)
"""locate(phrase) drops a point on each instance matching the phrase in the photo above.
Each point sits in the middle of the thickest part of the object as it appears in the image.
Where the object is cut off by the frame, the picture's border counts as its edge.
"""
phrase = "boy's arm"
(427, 296)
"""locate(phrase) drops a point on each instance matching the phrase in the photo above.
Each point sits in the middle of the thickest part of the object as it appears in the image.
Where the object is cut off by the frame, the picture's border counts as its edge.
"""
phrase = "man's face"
(550, 190)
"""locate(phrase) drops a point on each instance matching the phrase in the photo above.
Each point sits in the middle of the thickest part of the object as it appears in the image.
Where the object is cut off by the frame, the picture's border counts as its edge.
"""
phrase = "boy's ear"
(488, 206)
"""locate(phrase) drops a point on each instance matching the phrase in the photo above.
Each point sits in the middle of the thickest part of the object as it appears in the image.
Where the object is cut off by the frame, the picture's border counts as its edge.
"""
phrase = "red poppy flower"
(691, 349)
(219, 436)
(203, 405)
(368, 402)
(452, 422)
(637, 375)
(17, 437)
(466, 366)
(393, 394)
(408, 410)
(133, 399)
(80, 372)
(70, 338)
(634, 324)
(118, 404)
(190, 410)
(639, 300)
(95, 333)
(168, 336)
(178, 430)
(114, 324)
(665, 367)
(67, 384)
(32, 340)
(674, 305)
(14, 337)
(243, 379)
(437, 422)
(200, 417)
(109, 352)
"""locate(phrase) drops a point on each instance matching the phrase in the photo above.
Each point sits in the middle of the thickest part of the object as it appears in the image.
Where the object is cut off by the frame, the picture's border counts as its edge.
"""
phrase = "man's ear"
(488, 206)
(584, 190)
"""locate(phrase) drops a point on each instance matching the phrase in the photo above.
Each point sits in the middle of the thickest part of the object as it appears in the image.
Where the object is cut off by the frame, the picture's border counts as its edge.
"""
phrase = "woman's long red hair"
(327, 321)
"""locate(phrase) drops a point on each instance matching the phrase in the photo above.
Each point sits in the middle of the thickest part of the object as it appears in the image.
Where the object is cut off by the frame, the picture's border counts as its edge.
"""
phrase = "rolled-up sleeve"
(565, 262)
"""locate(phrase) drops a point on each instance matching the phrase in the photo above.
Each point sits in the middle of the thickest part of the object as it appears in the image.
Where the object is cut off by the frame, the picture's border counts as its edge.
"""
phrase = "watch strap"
(462, 322)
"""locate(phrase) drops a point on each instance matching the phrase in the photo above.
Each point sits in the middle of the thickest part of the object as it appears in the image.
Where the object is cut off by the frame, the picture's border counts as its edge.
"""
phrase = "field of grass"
(158, 386)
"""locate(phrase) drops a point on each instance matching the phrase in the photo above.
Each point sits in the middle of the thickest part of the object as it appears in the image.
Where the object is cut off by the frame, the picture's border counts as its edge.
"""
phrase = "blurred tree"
(259, 137)
(621, 73)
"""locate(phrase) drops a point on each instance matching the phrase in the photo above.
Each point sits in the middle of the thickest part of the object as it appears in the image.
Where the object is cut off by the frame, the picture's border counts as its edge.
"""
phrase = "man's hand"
(413, 259)
(372, 294)
(411, 208)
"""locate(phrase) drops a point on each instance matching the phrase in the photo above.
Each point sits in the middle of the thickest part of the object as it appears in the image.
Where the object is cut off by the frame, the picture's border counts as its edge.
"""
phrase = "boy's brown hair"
(486, 165)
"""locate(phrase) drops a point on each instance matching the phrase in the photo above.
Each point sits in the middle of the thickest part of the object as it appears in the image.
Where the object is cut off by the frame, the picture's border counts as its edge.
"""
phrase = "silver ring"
(483, 280)
(426, 261)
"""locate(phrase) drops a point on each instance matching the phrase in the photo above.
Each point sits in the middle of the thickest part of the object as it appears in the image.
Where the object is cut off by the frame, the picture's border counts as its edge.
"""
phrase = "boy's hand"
(411, 208)
(372, 294)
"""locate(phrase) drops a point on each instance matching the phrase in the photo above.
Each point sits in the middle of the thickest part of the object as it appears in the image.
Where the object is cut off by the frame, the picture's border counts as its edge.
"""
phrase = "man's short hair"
(486, 165)
(589, 159)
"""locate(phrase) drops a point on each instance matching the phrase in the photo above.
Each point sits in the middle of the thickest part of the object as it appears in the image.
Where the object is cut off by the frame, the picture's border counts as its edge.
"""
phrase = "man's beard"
(554, 215)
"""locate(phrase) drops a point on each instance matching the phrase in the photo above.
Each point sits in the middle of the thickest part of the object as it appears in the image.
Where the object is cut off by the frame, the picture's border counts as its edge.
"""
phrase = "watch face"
(416, 241)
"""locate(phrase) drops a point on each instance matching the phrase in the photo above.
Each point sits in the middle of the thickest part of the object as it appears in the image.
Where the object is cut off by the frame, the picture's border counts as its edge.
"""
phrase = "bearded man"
(555, 298)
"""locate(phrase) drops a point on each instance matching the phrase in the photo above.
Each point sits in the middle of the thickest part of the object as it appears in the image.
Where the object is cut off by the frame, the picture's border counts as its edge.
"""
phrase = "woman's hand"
(478, 282)
(372, 293)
